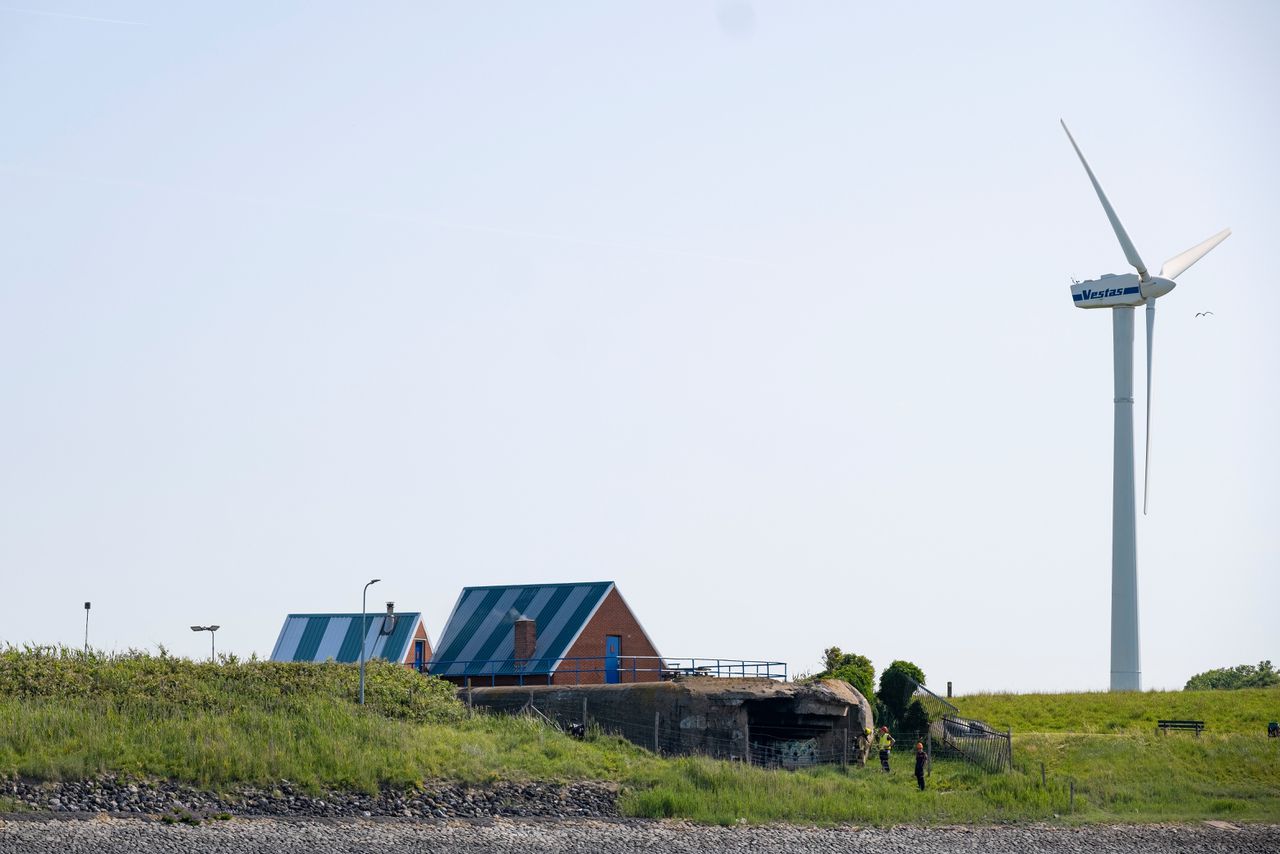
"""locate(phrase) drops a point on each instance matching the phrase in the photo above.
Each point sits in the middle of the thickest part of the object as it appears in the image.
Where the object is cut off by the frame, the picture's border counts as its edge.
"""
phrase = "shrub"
(897, 683)
(135, 678)
(852, 668)
(1232, 678)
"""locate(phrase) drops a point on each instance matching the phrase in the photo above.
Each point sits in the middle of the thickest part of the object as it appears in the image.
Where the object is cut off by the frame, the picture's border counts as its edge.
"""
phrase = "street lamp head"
(374, 581)
(197, 628)
(214, 628)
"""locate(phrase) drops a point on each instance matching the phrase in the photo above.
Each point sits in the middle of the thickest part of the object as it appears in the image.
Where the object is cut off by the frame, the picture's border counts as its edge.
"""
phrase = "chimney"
(526, 638)
(389, 621)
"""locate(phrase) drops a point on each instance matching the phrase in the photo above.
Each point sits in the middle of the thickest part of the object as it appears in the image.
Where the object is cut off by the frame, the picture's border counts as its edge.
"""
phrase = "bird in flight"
(1203, 313)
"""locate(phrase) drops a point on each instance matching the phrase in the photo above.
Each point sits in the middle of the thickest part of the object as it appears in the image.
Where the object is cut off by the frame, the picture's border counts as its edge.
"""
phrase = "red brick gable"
(613, 617)
(419, 634)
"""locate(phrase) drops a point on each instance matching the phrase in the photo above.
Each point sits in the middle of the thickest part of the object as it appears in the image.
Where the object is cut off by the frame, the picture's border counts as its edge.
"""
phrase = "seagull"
(1203, 313)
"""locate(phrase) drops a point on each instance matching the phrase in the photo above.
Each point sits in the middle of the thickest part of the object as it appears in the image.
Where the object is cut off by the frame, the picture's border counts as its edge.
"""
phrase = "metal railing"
(973, 740)
(601, 669)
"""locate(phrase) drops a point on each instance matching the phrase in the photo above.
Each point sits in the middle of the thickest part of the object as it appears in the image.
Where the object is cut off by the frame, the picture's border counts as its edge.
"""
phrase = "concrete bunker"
(760, 721)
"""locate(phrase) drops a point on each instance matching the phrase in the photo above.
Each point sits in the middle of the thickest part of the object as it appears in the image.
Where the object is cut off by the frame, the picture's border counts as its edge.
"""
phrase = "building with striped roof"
(401, 638)
(582, 633)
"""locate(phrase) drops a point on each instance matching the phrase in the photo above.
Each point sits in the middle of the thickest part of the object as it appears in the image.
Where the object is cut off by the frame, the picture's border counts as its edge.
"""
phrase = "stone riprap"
(117, 796)
(347, 836)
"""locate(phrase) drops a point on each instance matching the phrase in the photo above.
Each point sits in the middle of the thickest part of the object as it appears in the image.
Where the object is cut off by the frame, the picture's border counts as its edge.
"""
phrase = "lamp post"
(364, 632)
(87, 605)
(210, 630)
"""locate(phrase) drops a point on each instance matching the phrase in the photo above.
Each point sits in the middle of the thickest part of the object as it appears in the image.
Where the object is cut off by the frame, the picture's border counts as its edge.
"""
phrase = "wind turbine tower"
(1121, 294)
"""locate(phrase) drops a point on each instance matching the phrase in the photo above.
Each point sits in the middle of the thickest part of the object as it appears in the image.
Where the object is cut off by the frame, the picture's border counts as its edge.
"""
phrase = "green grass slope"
(1246, 711)
(68, 716)
(1124, 769)
(64, 715)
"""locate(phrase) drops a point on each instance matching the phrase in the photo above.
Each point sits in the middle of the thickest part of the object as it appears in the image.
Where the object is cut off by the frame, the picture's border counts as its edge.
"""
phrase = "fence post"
(948, 689)
(746, 732)
(1042, 777)
(844, 754)
(655, 731)
(1071, 804)
(584, 714)
(929, 748)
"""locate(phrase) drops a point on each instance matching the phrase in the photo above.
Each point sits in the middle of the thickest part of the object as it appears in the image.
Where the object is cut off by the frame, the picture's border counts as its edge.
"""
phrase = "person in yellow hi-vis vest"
(884, 743)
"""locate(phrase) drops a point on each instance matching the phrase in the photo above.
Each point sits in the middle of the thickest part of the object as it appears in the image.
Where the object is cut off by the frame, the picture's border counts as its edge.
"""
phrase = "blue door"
(417, 655)
(612, 646)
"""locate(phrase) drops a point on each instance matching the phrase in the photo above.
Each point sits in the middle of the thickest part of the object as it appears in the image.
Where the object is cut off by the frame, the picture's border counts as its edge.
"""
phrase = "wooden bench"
(1165, 726)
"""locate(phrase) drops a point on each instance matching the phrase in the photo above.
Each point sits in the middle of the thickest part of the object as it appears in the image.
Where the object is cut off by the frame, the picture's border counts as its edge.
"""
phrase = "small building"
(401, 638)
(549, 634)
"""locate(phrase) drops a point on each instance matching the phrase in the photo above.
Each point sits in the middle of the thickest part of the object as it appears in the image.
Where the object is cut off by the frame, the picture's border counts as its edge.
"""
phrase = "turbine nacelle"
(1112, 290)
(1108, 291)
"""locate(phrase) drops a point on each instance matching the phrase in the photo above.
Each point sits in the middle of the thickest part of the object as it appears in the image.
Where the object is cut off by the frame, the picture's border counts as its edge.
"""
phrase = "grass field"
(1246, 711)
(64, 715)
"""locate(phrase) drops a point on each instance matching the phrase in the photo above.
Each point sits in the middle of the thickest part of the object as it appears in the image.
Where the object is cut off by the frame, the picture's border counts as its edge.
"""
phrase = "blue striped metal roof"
(479, 638)
(325, 637)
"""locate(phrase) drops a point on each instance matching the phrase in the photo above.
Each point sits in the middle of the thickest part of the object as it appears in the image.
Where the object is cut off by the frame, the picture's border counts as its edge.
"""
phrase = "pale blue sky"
(760, 310)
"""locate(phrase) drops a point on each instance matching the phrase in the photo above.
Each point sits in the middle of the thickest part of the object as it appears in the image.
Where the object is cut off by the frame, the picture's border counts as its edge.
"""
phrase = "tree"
(1231, 678)
(852, 668)
(897, 683)
(915, 719)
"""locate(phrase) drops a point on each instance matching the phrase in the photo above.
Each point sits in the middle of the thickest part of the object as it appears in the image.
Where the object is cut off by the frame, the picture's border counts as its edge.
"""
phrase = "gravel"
(103, 835)
(122, 797)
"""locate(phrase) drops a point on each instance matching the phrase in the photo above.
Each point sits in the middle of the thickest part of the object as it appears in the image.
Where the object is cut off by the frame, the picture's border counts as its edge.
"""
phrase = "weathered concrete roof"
(829, 696)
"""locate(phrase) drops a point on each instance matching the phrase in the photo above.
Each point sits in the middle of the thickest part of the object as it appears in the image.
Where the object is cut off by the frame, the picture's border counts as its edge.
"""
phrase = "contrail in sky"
(412, 219)
(72, 17)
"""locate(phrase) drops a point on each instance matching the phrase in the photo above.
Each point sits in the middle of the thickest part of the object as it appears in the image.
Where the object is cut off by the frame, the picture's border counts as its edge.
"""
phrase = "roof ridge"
(349, 614)
(536, 584)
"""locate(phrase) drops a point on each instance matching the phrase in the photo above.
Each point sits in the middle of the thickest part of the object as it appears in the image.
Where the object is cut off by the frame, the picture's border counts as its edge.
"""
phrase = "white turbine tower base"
(1121, 294)
(1126, 667)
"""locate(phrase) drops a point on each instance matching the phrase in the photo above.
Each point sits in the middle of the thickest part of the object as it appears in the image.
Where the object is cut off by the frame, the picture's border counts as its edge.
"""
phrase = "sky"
(760, 310)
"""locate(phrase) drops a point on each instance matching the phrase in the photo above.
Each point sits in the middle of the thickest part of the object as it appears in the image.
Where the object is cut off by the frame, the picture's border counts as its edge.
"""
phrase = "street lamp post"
(364, 632)
(87, 606)
(210, 629)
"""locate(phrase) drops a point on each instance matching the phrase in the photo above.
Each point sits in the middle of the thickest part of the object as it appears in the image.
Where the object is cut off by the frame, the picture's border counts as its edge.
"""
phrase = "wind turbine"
(1121, 294)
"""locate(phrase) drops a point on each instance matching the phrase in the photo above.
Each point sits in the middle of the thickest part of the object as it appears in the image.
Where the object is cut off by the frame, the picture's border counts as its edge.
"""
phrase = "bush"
(1232, 678)
(852, 668)
(897, 683)
(137, 678)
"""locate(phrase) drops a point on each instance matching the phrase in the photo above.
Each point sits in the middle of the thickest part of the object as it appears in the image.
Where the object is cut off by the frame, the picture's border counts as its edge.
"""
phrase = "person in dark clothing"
(922, 759)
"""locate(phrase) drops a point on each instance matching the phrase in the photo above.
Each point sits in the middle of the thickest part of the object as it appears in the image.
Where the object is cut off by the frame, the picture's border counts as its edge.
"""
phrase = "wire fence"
(951, 734)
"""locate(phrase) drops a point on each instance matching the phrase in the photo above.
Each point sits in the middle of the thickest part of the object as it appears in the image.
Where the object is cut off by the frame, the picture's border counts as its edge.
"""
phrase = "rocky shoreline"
(43, 833)
(114, 814)
(439, 800)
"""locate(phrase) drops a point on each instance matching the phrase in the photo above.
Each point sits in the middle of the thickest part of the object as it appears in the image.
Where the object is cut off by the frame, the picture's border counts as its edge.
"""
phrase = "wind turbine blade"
(1126, 244)
(1178, 264)
(1146, 466)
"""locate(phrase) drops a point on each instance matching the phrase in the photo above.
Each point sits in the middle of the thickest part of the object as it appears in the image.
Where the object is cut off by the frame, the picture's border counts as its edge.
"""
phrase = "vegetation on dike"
(68, 715)
(1234, 678)
(1245, 711)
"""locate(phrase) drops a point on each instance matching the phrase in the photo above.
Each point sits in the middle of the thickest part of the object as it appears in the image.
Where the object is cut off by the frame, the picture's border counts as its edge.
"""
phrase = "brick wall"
(419, 634)
(613, 617)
